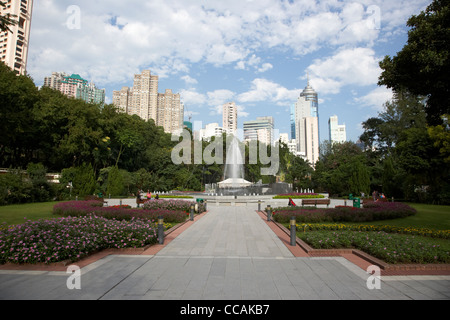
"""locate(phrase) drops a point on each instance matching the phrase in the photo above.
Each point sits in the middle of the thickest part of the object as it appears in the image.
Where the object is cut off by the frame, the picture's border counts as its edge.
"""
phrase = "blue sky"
(254, 52)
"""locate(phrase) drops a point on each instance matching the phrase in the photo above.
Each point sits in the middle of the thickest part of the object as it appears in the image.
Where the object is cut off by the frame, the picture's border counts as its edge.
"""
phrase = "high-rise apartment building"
(230, 117)
(337, 132)
(70, 85)
(14, 44)
(55, 80)
(261, 129)
(305, 117)
(170, 111)
(143, 99)
(76, 87)
(122, 99)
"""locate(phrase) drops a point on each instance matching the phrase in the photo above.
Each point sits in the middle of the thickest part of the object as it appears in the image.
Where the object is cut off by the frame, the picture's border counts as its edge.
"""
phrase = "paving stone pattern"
(228, 254)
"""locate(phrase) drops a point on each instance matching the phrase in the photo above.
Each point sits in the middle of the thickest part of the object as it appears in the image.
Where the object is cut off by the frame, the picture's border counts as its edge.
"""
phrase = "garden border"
(150, 249)
(363, 260)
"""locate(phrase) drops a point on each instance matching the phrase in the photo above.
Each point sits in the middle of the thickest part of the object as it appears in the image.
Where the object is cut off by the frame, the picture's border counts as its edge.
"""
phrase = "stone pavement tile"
(230, 253)
(416, 290)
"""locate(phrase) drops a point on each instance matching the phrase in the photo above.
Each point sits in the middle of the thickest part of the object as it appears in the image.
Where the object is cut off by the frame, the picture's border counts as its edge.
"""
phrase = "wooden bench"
(315, 202)
(140, 201)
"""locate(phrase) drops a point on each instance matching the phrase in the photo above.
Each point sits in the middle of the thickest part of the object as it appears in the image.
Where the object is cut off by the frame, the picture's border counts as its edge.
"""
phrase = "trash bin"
(356, 203)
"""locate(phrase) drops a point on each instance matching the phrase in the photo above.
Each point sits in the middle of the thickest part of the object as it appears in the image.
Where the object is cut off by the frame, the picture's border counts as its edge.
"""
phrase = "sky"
(257, 53)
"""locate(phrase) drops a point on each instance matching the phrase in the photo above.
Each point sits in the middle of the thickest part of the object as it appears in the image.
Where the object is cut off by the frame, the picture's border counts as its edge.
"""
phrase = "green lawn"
(428, 216)
(19, 213)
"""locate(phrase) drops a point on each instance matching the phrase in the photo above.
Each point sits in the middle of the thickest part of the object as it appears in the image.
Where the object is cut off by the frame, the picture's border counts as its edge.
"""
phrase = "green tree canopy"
(423, 65)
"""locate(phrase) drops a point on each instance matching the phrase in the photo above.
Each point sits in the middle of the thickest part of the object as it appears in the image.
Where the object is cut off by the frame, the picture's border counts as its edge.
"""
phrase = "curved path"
(230, 253)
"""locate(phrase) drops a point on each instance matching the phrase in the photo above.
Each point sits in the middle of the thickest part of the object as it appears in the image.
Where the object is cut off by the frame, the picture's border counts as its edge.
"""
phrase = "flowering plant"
(82, 208)
(372, 212)
(71, 238)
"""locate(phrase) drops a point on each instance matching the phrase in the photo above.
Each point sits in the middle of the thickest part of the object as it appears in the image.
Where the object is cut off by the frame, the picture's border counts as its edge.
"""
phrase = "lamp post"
(192, 212)
(161, 229)
(269, 212)
(293, 231)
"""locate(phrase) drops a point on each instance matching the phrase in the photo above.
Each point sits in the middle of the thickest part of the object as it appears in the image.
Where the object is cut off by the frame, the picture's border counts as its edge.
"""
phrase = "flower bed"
(71, 238)
(299, 196)
(442, 234)
(82, 208)
(391, 248)
(173, 204)
(373, 212)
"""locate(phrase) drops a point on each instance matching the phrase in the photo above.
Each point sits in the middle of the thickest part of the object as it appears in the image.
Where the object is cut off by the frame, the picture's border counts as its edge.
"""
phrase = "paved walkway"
(228, 254)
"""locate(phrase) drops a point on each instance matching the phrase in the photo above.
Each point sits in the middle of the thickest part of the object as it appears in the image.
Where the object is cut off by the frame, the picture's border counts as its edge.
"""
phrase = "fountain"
(234, 182)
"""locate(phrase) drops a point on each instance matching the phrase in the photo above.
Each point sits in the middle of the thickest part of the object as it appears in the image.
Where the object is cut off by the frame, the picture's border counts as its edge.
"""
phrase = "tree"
(342, 169)
(440, 135)
(81, 178)
(115, 183)
(423, 65)
(299, 172)
(403, 112)
(18, 136)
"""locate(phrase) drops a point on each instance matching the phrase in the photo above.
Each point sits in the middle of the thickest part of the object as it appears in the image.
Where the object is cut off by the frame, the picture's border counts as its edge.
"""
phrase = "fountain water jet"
(234, 180)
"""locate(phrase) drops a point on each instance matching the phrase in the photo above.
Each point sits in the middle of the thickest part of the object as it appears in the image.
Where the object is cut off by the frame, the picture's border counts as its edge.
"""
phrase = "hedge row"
(372, 212)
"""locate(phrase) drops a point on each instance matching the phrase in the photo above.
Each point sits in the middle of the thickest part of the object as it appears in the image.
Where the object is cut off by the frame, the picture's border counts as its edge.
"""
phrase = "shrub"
(299, 196)
(182, 205)
(443, 234)
(82, 208)
(391, 248)
(372, 212)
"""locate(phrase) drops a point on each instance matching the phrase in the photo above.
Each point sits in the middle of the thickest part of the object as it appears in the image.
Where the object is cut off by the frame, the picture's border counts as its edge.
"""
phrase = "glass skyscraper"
(305, 124)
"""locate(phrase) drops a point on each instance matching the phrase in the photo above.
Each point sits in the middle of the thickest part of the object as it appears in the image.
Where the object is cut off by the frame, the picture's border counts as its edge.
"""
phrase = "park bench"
(96, 198)
(140, 201)
(315, 202)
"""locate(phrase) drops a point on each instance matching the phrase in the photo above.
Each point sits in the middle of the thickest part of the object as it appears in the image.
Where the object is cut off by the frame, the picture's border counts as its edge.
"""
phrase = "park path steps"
(229, 253)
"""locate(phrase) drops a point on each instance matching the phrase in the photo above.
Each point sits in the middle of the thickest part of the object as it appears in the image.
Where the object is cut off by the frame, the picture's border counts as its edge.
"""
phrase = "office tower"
(260, 129)
(337, 132)
(14, 44)
(284, 138)
(306, 117)
(230, 117)
(211, 130)
(170, 112)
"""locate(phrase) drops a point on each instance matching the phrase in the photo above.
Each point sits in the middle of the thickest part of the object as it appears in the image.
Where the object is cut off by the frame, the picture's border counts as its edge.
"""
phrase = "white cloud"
(265, 67)
(219, 97)
(266, 90)
(357, 66)
(189, 80)
(172, 35)
(376, 98)
(253, 63)
(192, 98)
